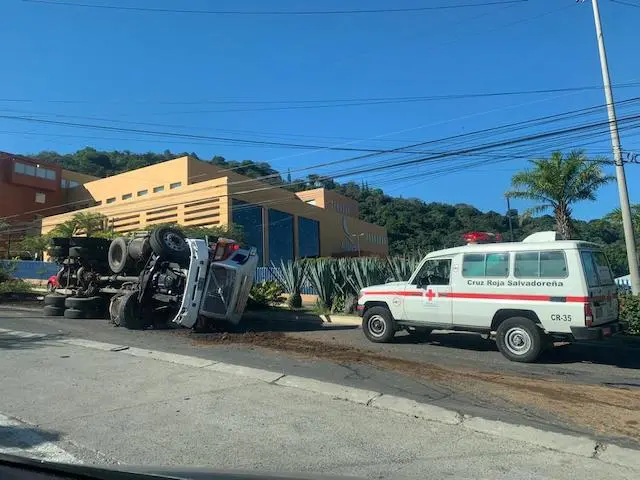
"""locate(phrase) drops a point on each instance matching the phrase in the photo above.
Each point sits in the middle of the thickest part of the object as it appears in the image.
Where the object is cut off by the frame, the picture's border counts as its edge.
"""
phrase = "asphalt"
(584, 364)
(61, 401)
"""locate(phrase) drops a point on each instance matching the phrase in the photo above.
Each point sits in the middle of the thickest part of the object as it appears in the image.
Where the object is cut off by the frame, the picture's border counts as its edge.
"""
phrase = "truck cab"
(524, 294)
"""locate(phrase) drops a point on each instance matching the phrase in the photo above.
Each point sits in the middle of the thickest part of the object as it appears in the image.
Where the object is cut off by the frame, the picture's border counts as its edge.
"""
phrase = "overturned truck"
(152, 279)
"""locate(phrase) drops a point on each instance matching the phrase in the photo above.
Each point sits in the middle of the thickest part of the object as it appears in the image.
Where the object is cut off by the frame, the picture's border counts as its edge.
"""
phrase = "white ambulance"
(525, 294)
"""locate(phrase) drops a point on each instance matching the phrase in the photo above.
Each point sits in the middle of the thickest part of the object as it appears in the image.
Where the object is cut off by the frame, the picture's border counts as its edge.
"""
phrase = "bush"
(15, 286)
(266, 293)
(630, 311)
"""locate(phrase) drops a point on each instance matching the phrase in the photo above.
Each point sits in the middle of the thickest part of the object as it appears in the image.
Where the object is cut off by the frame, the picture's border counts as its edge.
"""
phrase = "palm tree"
(616, 217)
(557, 183)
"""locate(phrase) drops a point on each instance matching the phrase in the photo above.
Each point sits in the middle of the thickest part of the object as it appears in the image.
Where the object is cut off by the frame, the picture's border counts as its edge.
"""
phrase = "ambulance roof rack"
(473, 238)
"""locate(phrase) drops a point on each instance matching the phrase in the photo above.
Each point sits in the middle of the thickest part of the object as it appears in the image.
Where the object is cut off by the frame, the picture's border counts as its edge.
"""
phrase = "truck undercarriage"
(152, 279)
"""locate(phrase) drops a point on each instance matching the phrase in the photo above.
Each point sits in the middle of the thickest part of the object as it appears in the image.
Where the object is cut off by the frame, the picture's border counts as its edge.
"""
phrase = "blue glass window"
(308, 237)
(280, 236)
(249, 218)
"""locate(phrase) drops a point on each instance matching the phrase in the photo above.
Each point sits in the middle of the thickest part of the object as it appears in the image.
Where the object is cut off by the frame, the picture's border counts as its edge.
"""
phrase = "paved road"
(608, 362)
(478, 354)
(62, 401)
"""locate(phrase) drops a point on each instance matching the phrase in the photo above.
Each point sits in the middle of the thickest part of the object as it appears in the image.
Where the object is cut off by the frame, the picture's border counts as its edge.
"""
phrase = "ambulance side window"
(485, 265)
(546, 264)
(434, 272)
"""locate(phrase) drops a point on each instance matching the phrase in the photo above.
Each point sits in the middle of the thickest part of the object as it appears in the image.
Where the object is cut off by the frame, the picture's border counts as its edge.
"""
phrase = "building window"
(40, 197)
(249, 218)
(41, 172)
(51, 174)
(158, 189)
(73, 183)
(127, 196)
(19, 168)
(280, 236)
(111, 200)
(175, 185)
(64, 183)
(143, 192)
(30, 170)
(308, 237)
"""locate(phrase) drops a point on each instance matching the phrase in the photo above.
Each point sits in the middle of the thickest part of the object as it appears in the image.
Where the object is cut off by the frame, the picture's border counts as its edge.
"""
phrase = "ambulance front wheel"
(378, 325)
(520, 340)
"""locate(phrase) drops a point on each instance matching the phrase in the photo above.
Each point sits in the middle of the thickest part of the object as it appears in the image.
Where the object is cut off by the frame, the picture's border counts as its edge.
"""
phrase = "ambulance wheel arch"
(378, 324)
(520, 339)
(505, 313)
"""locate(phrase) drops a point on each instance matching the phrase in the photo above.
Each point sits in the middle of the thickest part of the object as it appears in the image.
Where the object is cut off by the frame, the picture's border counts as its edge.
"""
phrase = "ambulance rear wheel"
(520, 340)
(378, 325)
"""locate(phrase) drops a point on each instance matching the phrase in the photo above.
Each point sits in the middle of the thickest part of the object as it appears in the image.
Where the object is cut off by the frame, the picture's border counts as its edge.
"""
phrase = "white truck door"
(425, 297)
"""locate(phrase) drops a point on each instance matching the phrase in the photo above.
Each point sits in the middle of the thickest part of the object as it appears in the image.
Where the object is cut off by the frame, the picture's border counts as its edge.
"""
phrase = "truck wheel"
(169, 243)
(52, 311)
(74, 313)
(129, 312)
(519, 339)
(114, 309)
(54, 300)
(378, 325)
(118, 256)
(83, 303)
(420, 334)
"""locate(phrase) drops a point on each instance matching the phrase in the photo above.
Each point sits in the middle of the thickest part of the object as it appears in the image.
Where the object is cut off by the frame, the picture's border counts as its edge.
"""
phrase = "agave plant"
(366, 271)
(321, 276)
(290, 276)
(401, 268)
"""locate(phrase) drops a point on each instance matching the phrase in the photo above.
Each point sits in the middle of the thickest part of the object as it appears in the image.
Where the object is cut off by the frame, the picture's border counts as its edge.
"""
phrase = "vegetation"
(83, 223)
(557, 183)
(265, 294)
(630, 311)
(412, 224)
(8, 284)
(290, 276)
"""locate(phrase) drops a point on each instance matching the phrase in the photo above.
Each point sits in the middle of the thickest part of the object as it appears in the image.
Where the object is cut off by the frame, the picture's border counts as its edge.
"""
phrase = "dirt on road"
(605, 410)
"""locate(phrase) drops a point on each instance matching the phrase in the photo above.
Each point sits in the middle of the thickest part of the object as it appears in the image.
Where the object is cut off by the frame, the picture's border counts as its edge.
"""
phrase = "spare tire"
(118, 255)
(51, 311)
(54, 300)
(169, 243)
(129, 312)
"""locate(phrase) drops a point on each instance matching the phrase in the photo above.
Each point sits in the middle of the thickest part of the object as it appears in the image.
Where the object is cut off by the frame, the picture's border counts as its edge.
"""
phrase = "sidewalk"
(139, 407)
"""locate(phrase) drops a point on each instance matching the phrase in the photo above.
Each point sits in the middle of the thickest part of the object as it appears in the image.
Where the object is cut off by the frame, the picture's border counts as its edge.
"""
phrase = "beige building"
(186, 191)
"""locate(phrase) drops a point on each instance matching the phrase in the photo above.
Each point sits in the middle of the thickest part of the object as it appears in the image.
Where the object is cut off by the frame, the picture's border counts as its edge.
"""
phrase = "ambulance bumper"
(600, 332)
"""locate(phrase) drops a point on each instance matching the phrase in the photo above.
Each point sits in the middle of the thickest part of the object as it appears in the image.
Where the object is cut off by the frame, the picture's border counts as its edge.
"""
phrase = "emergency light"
(482, 237)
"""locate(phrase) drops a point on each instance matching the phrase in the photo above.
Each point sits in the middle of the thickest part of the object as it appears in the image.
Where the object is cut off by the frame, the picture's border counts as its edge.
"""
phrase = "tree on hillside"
(89, 223)
(616, 217)
(557, 183)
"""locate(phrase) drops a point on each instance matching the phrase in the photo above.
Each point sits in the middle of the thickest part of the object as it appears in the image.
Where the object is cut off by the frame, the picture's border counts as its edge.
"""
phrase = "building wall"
(204, 204)
(205, 198)
(330, 200)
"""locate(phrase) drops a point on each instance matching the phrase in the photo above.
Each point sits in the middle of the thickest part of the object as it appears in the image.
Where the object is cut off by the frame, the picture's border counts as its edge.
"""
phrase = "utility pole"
(625, 209)
(509, 217)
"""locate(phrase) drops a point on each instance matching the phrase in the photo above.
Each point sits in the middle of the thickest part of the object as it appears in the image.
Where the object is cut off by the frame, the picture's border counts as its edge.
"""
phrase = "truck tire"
(129, 312)
(169, 243)
(54, 300)
(378, 325)
(117, 255)
(74, 313)
(84, 303)
(520, 340)
(52, 311)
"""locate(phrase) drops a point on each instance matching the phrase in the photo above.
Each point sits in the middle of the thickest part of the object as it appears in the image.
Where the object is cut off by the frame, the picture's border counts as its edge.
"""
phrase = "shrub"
(321, 275)
(15, 286)
(630, 311)
(266, 293)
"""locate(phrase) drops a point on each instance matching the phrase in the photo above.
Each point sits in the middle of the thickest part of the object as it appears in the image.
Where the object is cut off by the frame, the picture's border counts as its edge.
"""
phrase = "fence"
(264, 274)
(43, 270)
(31, 269)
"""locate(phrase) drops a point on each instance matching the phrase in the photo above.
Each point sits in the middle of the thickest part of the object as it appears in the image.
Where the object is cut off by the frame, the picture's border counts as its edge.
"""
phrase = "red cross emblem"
(430, 294)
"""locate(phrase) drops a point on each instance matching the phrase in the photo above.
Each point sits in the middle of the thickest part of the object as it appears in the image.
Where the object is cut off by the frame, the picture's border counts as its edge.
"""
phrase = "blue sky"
(207, 74)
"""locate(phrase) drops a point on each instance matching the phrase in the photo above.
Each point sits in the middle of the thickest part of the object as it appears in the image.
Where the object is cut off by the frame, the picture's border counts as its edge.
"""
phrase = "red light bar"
(482, 237)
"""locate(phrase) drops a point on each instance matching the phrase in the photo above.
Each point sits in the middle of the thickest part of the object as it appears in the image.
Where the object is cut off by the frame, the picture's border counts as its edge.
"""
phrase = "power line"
(330, 103)
(628, 4)
(272, 12)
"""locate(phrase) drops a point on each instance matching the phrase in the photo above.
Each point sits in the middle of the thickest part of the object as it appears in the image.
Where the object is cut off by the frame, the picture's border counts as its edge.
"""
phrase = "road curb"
(571, 444)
